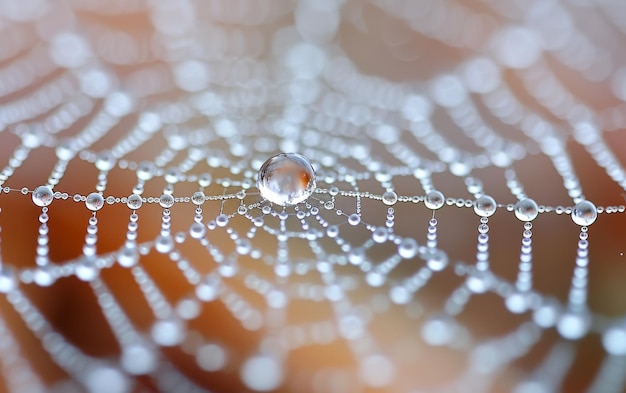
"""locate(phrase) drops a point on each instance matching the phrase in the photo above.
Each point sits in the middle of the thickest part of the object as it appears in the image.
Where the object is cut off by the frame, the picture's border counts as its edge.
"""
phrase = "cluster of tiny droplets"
(225, 99)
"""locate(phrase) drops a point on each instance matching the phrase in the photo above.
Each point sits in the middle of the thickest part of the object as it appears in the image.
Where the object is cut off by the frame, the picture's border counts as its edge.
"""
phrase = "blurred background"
(174, 97)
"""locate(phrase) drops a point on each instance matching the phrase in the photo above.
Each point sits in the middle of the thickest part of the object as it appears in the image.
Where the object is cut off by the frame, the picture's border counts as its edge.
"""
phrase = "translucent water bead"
(42, 196)
(434, 200)
(134, 202)
(286, 179)
(94, 201)
(485, 206)
(584, 213)
(390, 198)
(526, 210)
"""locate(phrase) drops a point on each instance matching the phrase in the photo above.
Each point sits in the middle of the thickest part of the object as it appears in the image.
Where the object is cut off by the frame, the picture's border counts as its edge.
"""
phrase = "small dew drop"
(286, 179)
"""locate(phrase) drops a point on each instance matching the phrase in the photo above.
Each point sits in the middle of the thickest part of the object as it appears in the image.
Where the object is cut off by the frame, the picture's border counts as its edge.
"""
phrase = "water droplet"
(584, 213)
(211, 357)
(390, 198)
(377, 371)
(407, 248)
(198, 198)
(87, 270)
(221, 220)
(166, 201)
(168, 332)
(128, 257)
(42, 196)
(332, 231)
(526, 210)
(547, 314)
(434, 200)
(164, 244)
(436, 260)
(105, 160)
(286, 179)
(209, 288)
(479, 282)
(197, 230)
(354, 219)
(614, 340)
(105, 379)
(380, 235)
(438, 330)
(574, 324)
(138, 359)
(485, 206)
(261, 373)
(356, 256)
(65, 150)
(8, 281)
(517, 302)
(134, 202)
(145, 170)
(94, 201)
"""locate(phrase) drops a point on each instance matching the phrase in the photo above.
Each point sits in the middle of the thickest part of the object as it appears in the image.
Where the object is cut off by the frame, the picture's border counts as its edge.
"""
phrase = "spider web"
(464, 234)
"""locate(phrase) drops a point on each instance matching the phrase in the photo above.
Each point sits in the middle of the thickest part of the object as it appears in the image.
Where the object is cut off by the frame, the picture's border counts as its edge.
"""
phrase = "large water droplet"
(584, 213)
(614, 340)
(105, 160)
(377, 371)
(436, 260)
(134, 202)
(526, 210)
(211, 357)
(407, 248)
(145, 170)
(164, 244)
(94, 201)
(485, 206)
(434, 200)
(8, 281)
(42, 196)
(138, 359)
(197, 230)
(574, 324)
(168, 332)
(128, 257)
(198, 198)
(286, 179)
(87, 270)
(262, 373)
(166, 201)
(390, 198)
(438, 330)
